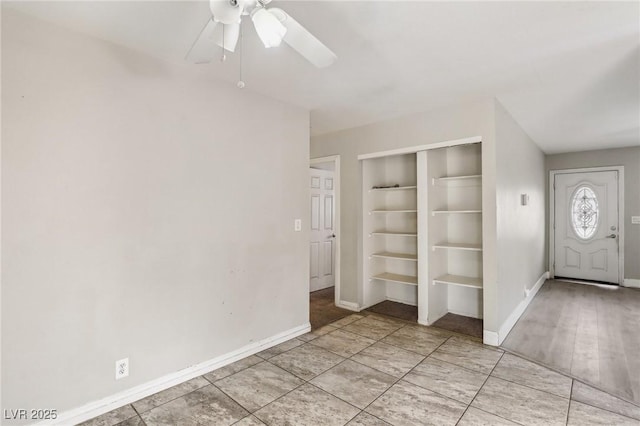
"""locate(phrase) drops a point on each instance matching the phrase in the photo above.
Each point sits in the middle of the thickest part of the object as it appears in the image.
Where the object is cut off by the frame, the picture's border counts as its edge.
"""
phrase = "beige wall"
(418, 129)
(146, 213)
(521, 229)
(630, 159)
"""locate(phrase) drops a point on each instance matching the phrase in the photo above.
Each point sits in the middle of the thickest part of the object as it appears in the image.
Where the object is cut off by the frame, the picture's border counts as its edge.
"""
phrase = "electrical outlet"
(635, 220)
(297, 225)
(122, 368)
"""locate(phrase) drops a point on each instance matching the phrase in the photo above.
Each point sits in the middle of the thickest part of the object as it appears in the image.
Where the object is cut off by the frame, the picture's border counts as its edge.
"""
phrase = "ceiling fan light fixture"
(226, 11)
(269, 28)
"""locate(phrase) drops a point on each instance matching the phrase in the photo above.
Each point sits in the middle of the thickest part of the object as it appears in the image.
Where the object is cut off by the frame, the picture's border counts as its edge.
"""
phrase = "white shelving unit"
(395, 234)
(394, 211)
(422, 233)
(458, 246)
(389, 255)
(435, 212)
(394, 188)
(458, 280)
(390, 266)
(447, 179)
(455, 231)
(396, 278)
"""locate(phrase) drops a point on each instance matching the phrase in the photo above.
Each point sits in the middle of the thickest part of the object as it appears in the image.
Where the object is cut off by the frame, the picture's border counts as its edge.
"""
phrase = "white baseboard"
(426, 321)
(631, 282)
(104, 405)
(495, 339)
(348, 305)
(490, 338)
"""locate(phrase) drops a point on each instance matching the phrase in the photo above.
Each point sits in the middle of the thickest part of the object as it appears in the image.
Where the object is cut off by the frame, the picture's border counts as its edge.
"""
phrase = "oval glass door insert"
(584, 212)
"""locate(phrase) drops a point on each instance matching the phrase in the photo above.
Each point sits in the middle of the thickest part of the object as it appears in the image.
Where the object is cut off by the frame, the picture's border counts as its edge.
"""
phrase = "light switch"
(524, 199)
(297, 225)
(635, 220)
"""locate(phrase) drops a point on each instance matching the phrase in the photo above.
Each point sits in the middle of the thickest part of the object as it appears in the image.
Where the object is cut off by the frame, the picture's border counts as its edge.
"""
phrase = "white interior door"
(586, 226)
(322, 247)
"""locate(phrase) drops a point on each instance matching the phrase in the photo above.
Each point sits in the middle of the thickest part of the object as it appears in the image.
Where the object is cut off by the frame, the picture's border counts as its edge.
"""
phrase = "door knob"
(332, 236)
(611, 236)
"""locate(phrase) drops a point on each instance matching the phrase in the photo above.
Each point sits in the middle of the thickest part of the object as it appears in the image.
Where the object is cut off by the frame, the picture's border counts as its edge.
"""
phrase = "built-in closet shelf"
(435, 212)
(396, 188)
(475, 179)
(396, 278)
(459, 281)
(458, 246)
(397, 234)
(400, 256)
(393, 211)
(427, 227)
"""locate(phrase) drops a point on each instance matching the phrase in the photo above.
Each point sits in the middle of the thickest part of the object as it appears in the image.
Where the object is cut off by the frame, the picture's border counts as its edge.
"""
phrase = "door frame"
(552, 216)
(335, 159)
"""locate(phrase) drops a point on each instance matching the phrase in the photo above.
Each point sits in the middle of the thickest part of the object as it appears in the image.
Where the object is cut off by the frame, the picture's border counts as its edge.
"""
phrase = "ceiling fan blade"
(231, 35)
(303, 42)
(204, 48)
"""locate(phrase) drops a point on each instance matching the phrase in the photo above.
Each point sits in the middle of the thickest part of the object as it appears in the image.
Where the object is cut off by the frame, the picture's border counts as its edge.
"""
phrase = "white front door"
(322, 248)
(586, 226)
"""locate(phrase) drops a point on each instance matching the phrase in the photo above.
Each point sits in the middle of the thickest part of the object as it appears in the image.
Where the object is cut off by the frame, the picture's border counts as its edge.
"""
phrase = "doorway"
(324, 241)
(586, 235)
(322, 245)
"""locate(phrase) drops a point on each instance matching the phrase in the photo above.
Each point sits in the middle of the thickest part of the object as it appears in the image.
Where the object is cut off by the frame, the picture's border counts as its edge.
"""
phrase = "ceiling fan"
(273, 26)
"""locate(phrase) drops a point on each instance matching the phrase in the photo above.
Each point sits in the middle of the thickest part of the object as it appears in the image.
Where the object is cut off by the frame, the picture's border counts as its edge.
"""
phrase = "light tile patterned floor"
(368, 370)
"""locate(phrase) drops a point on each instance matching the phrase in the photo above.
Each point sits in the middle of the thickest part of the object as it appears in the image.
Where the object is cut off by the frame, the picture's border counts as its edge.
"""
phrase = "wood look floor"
(590, 332)
(396, 310)
(322, 308)
(452, 322)
(461, 324)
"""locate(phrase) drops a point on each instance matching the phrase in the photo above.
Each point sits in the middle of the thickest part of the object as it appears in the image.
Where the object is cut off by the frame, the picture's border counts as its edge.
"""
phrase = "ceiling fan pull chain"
(224, 55)
(241, 81)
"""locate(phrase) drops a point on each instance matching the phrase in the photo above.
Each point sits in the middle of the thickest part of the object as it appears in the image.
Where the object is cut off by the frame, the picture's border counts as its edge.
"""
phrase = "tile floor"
(374, 370)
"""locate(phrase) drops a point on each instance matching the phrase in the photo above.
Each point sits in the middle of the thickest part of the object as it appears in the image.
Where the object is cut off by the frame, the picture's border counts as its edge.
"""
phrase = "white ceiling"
(568, 72)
